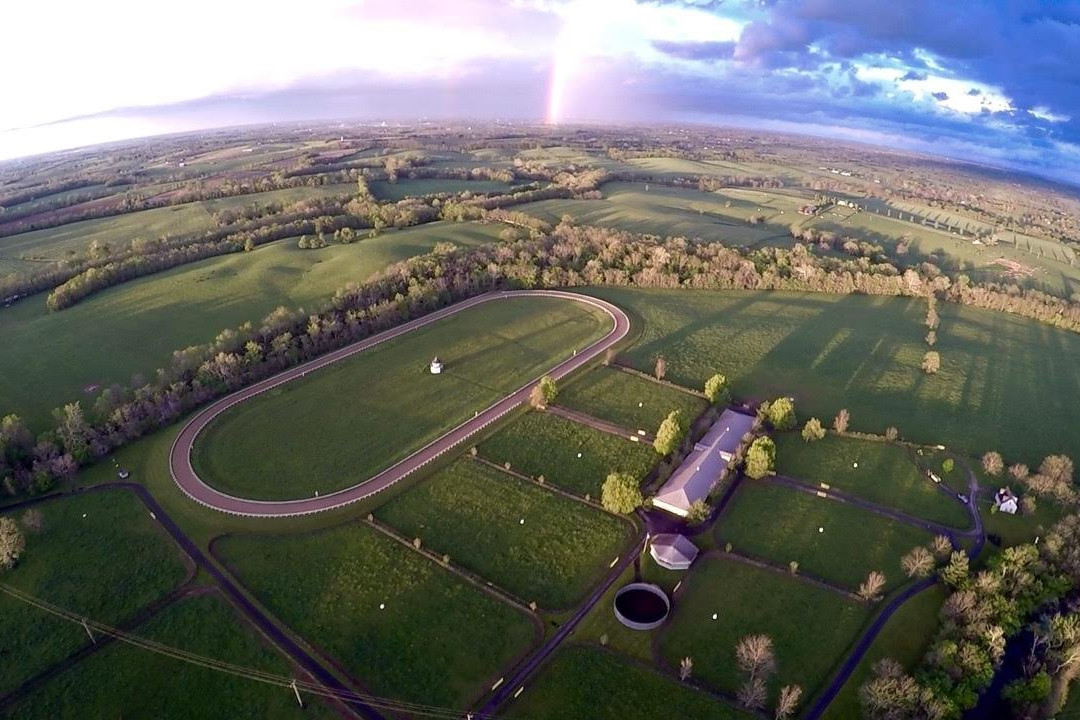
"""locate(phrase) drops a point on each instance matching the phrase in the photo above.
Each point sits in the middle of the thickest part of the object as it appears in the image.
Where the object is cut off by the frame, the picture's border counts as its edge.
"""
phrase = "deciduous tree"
(717, 390)
(621, 493)
(1019, 471)
(871, 588)
(787, 702)
(931, 362)
(918, 563)
(760, 458)
(813, 430)
(698, 512)
(755, 657)
(840, 422)
(992, 463)
(660, 367)
(670, 433)
(543, 393)
(781, 413)
(955, 573)
(12, 543)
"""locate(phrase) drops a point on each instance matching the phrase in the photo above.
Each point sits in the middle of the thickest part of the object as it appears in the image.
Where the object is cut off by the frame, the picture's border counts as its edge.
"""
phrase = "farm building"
(673, 551)
(706, 463)
(1006, 501)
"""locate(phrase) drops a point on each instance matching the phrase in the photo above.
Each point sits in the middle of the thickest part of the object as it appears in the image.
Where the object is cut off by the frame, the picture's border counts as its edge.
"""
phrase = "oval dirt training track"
(180, 455)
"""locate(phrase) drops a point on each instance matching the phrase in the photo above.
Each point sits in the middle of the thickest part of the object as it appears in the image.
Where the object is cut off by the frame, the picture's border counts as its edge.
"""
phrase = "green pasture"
(811, 628)
(682, 167)
(880, 472)
(601, 627)
(998, 372)
(399, 623)
(628, 400)
(403, 188)
(572, 456)
(830, 540)
(1052, 265)
(676, 212)
(99, 555)
(905, 638)
(533, 542)
(342, 424)
(50, 358)
(59, 243)
(123, 681)
(587, 682)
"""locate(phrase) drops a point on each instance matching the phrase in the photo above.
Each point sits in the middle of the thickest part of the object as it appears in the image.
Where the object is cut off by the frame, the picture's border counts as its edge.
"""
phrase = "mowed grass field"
(628, 400)
(97, 554)
(540, 546)
(384, 190)
(586, 682)
(905, 638)
(811, 628)
(122, 681)
(344, 423)
(49, 358)
(998, 372)
(542, 444)
(885, 474)
(399, 623)
(666, 211)
(73, 238)
(781, 525)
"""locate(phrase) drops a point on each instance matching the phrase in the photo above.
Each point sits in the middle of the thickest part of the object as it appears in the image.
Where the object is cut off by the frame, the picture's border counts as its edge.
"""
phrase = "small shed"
(436, 366)
(673, 551)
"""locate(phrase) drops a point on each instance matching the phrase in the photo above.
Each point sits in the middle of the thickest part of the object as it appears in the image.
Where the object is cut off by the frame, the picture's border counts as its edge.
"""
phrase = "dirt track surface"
(180, 455)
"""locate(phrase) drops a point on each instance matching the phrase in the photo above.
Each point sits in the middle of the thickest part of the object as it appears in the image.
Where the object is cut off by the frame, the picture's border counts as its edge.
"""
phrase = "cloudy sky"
(991, 81)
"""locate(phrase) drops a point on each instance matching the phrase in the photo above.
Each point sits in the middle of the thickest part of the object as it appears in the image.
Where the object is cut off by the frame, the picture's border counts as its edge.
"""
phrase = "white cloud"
(1044, 113)
(945, 92)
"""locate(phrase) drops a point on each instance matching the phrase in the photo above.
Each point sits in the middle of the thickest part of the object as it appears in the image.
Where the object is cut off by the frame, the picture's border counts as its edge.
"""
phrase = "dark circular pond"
(641, 606)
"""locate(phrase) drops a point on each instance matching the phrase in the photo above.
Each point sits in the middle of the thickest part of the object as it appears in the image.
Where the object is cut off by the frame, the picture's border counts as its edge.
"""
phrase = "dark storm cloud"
(1028, 48)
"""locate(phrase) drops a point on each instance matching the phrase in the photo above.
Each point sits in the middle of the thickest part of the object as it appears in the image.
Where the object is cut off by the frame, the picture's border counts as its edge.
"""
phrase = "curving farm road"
(192, 485)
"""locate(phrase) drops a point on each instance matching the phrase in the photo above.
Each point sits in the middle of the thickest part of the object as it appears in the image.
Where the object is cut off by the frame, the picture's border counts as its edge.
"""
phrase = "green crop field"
(885, 474)
(535, 543)
(998, 372)
(780, 524)
(122, 681)
(905, 638)
(97, 554)
(572, 456)
(431, 186)
(342, 424)
(398, 622)
(51, 357)
(175, 220)
(676, 211)
(628, 400)
(811, 628)
(573, 683)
